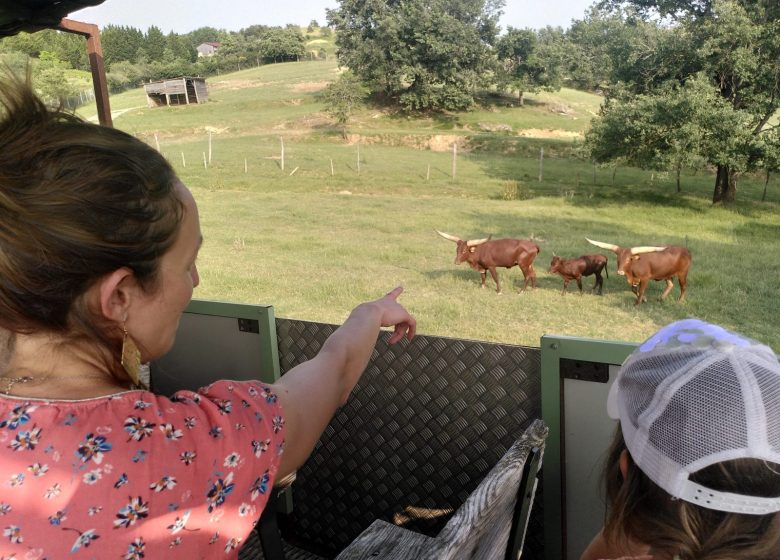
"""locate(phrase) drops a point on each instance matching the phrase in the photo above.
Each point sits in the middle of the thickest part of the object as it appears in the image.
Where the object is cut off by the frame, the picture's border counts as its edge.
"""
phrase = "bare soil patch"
(548, 133)
(234, 84)
(307, 87)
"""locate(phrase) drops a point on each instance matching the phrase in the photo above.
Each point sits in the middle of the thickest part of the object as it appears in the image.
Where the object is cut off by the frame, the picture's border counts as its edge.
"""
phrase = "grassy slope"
(315, 243)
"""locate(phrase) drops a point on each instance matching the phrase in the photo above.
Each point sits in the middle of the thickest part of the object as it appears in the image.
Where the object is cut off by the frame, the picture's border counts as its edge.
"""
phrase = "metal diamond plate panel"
(426, 422)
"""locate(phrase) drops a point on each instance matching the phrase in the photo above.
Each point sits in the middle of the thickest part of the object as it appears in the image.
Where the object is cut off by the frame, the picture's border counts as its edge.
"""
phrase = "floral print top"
(137, 475)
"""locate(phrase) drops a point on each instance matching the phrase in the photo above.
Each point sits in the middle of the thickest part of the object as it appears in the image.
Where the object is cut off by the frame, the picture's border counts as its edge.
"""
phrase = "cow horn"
(608, 246)
(447, 236)
(475, 242)
(640, 250)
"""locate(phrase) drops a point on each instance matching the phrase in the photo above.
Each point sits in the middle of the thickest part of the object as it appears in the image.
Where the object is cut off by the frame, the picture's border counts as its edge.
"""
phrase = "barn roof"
(34, 15)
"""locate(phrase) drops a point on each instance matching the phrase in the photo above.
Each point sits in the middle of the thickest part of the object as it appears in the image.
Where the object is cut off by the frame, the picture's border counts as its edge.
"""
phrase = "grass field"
(330, 230)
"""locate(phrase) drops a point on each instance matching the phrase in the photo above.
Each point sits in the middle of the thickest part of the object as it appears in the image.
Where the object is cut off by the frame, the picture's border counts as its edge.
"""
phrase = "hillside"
(340, 220)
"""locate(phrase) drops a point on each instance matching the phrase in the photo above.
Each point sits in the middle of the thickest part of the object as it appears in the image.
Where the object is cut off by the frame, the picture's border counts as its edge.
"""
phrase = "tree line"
(685, 82)
(132, 56)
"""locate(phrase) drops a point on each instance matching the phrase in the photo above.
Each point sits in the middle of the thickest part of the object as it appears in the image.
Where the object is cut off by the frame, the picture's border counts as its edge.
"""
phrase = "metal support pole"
(95, 52)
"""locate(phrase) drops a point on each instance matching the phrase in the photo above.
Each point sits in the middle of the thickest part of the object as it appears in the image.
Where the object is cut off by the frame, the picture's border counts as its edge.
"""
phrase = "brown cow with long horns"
(487, 254)
(641, 264)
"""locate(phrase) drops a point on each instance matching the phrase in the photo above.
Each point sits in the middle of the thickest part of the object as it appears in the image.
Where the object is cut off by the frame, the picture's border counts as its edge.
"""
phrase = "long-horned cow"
(641, 264)
(575, 269)
(487, 254)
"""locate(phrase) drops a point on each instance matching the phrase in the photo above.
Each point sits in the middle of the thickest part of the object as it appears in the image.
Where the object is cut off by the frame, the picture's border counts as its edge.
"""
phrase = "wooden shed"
(176, 91)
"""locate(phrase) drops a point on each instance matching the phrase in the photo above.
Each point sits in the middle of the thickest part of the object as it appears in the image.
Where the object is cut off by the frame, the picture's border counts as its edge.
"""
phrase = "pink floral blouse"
(137, 475)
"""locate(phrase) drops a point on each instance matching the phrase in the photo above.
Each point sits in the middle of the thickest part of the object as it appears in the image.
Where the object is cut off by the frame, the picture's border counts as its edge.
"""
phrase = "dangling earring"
(131, 357)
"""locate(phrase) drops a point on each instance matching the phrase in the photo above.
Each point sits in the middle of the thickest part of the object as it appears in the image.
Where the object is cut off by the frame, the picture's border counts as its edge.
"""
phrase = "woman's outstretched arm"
(311, 392)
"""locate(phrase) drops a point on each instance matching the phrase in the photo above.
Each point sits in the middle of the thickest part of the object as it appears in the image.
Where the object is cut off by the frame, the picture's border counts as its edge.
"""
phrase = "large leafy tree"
(530, 61)
(282, 44)
(422, 54)
(734, 47)
(670, 128)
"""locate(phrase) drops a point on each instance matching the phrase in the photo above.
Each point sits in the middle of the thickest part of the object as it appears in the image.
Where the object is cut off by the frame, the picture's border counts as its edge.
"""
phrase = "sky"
(182, 16)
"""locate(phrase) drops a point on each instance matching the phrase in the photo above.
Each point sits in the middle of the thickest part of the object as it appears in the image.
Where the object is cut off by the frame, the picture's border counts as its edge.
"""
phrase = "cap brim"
(612, 400)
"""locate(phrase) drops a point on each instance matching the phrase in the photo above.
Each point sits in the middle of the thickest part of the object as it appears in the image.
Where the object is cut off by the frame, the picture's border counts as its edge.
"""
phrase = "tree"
(203, 35)
(342, 97)
(180, 48)
(28, 43)
(530, 62)
(672, 127)
(421, 54)
(50, 80)
(154, 44)
(769, 154)
(72, 49)
(735, 46)
(282, 44)
(120, 43)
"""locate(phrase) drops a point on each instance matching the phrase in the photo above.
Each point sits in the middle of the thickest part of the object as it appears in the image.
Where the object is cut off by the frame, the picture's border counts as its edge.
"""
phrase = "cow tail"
(606, 267)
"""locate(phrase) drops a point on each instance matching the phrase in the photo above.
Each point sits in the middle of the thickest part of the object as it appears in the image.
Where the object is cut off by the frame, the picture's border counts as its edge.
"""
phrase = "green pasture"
(330, 230)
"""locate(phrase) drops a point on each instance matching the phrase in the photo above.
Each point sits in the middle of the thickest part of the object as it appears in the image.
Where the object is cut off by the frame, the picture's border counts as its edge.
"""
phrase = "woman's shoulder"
(222, 406)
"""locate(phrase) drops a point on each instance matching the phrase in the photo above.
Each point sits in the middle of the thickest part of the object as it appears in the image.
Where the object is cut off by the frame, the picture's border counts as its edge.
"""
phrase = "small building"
(208, 48)
(176, 91)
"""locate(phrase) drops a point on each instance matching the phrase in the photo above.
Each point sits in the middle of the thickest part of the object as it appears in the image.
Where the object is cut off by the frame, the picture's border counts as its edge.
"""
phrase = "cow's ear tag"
(471, 249)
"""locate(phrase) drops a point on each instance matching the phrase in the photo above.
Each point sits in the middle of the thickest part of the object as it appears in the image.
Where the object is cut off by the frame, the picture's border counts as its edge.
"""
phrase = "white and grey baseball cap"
(694, 395)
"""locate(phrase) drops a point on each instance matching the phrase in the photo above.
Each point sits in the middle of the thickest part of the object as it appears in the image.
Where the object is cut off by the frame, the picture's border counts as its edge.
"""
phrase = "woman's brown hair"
(77, 201)
(638, 510)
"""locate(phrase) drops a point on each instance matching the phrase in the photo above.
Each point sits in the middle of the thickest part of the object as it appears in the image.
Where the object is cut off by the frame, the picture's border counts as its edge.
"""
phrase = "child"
(694, 469)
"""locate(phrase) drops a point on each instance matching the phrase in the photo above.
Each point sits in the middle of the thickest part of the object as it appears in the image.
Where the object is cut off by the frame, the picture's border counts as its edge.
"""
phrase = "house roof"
(34, 15)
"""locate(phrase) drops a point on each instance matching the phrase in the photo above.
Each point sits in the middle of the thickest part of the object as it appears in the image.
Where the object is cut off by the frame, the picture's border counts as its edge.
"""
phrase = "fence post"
(209, 147)
(541, 163)
(454, 159)
(281, 140)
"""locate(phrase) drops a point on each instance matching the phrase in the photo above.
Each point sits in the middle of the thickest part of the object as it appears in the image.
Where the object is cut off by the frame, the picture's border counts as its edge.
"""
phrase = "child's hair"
(77, 201)
(699, 411)
(638, 510)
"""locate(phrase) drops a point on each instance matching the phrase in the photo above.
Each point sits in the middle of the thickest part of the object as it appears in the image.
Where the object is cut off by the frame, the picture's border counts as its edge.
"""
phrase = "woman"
(694, 470)
(98, 248)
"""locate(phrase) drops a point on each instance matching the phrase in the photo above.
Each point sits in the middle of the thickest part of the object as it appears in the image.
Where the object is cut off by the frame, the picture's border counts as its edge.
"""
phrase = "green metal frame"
(553, 348)
(264, 314)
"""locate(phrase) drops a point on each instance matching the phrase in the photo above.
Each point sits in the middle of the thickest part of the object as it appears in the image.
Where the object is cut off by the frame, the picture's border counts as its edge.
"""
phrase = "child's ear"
(623, 463)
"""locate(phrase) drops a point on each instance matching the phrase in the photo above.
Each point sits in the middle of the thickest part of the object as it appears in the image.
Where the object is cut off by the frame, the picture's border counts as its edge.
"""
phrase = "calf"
(575, 269)
(486, 254)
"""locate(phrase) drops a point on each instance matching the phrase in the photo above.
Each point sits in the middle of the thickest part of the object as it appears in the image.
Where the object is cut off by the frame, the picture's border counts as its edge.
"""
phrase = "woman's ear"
(624, 462)
(114, 292)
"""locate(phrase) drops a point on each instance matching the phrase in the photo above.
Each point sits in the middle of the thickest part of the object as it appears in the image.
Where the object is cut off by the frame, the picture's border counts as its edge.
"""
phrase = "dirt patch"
(234, 84)
(444, 142)
(307, 87)
(548, 133)
(494, 127)
(436, 143)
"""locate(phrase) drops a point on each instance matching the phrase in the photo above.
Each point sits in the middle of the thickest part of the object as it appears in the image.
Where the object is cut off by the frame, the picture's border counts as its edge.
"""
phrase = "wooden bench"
(491, 524)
